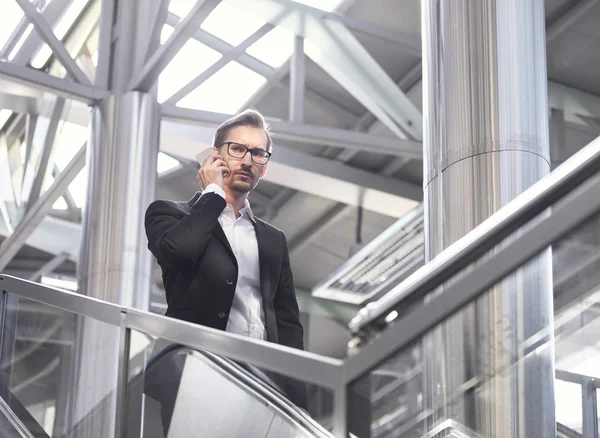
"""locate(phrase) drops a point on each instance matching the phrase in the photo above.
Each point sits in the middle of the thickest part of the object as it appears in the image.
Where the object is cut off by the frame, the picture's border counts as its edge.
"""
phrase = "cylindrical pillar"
(486, 141)
(114, 264)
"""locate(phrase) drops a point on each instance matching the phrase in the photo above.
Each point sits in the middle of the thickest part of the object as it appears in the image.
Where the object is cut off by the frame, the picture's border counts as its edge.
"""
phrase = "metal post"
(297, 79)
(589, 406)
(340, 411)
(123, 374)
(486, 141)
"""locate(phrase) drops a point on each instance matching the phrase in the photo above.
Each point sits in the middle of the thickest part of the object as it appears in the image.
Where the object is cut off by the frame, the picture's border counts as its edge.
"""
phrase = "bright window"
(181, 70)
(165, 163)
(326, 5)
(60, 30)
(274, 48)
(60, 204)
(231, 24)
(10, 16)
(226, 91)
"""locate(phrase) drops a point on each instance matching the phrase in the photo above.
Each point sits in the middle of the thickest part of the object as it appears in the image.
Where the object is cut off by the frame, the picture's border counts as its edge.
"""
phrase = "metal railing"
(575, 184)
(483, 238)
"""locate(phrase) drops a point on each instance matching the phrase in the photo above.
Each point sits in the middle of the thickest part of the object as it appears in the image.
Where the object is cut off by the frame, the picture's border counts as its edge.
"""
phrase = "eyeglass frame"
(228, 143)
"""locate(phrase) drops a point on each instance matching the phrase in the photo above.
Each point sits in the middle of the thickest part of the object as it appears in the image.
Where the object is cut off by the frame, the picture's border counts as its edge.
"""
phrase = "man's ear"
(264, 171)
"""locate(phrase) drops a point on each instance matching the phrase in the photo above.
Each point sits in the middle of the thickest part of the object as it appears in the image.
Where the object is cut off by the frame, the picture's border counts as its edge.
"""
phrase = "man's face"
(243, 172)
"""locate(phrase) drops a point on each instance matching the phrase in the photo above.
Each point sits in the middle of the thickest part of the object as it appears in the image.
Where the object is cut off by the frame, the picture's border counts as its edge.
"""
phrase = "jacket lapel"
(265, 259)
(220, 235)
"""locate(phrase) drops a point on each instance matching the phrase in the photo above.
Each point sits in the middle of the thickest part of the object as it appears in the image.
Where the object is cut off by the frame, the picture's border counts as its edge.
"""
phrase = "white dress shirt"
(246, 316)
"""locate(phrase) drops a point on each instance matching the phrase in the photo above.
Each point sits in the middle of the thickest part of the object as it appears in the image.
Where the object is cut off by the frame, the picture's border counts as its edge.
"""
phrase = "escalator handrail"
(535, 200)
(298, 364)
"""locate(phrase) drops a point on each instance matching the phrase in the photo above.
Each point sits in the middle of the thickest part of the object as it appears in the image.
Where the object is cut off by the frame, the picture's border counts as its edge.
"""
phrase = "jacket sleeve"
(289, 329)
(173, 240)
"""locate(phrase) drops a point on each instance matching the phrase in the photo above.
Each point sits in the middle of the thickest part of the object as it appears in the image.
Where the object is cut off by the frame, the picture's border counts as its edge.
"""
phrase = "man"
(223, 267)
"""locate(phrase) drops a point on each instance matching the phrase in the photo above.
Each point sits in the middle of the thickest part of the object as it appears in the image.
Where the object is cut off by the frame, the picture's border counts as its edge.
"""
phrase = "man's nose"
(247, 160)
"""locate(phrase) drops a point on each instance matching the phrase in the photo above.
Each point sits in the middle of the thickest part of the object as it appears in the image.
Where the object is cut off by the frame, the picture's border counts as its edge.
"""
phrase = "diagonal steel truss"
(70, 74)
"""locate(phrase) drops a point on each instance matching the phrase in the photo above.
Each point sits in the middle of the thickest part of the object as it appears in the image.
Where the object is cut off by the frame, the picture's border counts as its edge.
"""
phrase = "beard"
(239, 184)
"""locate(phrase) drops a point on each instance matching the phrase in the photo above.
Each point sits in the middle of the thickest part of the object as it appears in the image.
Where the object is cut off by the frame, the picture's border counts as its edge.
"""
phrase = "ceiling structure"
(339, 80)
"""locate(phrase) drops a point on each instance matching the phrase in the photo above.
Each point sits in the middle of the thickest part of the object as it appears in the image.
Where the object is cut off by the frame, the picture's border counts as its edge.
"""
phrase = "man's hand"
(212, 171)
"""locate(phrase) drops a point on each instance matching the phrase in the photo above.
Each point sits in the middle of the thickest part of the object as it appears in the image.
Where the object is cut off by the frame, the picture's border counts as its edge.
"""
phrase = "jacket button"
(229, 282)
(221, 315)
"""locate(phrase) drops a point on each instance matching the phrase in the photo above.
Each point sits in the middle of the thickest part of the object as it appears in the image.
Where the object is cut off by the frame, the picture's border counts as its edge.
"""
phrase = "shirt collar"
(248, 211)
(244, 210)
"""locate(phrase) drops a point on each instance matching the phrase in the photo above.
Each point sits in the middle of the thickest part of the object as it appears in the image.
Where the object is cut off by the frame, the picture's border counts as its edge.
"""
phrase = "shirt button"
(221, 315)
(229, 282)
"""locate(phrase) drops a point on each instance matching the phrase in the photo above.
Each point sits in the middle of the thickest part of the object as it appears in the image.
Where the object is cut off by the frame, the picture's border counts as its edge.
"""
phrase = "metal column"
(486, 141)
(114, 264)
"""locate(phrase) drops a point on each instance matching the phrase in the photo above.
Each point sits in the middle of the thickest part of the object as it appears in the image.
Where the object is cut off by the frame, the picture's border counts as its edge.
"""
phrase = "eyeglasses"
(236, 150)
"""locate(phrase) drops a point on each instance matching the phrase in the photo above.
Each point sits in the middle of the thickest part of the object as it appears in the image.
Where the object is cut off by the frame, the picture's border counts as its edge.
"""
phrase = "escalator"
(176, 391)
(190, 390)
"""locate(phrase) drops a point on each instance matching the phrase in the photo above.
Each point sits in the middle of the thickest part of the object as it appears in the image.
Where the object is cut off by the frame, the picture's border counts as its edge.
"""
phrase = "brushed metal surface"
(485, 142)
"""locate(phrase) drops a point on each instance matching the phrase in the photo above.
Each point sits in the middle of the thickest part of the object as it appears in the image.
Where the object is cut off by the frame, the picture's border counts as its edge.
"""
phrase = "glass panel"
(326, 5)
(568, 405)
(11, 15)
(58, 369)
(226, 91)
(486, 370)
(173, 389)
(274, 48)
(231, 24)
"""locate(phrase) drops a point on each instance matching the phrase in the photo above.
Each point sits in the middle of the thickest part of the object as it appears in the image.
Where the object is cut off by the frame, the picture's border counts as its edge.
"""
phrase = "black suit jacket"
(200, 271)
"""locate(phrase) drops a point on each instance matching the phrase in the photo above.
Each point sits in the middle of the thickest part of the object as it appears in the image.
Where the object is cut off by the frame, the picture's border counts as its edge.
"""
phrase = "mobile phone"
(204, 155)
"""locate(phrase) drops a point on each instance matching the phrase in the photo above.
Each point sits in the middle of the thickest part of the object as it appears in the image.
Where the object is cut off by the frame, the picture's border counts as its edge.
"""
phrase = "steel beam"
(49, 267)
(73, 211)
(409, 43)
(228, 56)
(14, 38)
(567, 20)
(297, 81)
(221, 46)
(340, 54)
(11, 245)
(52, 12)
(105, 41)
(274, 76)
(9, 205)
(35, 81)
(318, 227)
(310, 174)
(49, 137)
(149, 73)
(312, 134)
(19, 104)
(45, 30)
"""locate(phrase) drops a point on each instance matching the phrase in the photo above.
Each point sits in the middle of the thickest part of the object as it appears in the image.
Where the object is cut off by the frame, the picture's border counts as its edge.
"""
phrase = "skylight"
(274, 48)
(231, 24)
(11, 15)
(78, 188)
(165, 163)
(4, 115)
(72, 137)
(181, 7)
(226, 91)
(326, 5)
(60, 30)
(60, 204)
(180, 70)
(20, 43)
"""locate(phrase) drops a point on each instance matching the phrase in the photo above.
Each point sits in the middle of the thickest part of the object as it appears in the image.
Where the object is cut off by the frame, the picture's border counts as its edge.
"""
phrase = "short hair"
(249, 117)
